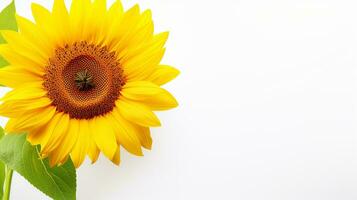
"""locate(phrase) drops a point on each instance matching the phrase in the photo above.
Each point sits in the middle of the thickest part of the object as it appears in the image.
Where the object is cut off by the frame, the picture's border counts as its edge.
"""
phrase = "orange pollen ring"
(81, 61)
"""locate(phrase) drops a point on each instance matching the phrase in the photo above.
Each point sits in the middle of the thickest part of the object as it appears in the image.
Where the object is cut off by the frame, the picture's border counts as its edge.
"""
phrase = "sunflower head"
(85, 80)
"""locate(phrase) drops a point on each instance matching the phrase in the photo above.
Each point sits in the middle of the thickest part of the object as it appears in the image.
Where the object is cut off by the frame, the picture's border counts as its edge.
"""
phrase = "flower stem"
(7, 186)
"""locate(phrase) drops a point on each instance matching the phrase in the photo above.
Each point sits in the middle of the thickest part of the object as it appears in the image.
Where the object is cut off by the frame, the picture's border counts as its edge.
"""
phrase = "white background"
(267, 100)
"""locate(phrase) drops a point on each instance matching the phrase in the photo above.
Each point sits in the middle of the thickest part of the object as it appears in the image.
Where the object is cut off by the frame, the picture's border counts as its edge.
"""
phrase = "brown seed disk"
(107, 78)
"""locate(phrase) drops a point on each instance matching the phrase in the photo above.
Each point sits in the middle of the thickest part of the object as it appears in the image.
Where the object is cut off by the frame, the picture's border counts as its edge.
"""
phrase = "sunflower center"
(83, 80)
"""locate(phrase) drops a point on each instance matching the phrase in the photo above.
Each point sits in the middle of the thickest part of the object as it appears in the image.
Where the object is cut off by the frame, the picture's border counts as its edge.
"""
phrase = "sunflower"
(85, 80)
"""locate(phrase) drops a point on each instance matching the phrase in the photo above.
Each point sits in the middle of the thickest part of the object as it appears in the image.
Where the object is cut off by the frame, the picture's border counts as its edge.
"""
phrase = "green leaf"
(7, 22)
(2, 169)
(20, 155)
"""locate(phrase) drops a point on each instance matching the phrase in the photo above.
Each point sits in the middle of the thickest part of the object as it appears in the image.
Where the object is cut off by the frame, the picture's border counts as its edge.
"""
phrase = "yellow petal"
(145, 30)
(152, 49)
(140, 62)
(41, 15)
(53, 159)
(138, 90)
(80, 149)
(151, 95)
(80, 14)
(93, 150)
(124, 29)
(69, 139)
(115, 10)
(140, 35)
(163, 74)
(156, 43)
(59, 10)
(45, 22)
(114, 18)
(143, 133)
(13, 76)
(20, 58)
(143, 65)
(137, 113)
(104, 136)
(31, 90)
(17, 108)
(90, 28)
(116, 158)
(61, 20)
(32, 33)
(41, 135)
(22, 46)
(57, 135)
(162, 101)
(30, 121)
(99, 9)
(9, 126)
(125, 133)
